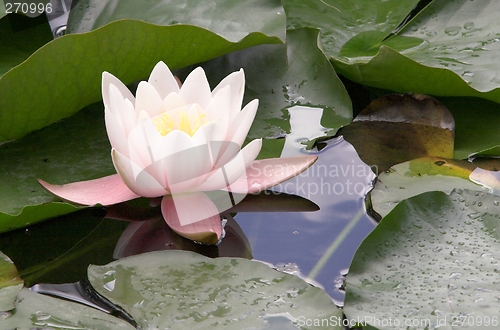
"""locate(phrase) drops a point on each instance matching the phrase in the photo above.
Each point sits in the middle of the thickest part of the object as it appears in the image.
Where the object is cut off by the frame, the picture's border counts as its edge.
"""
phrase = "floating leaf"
(340, 21)
(36, 311)
(477, 133)
(204, 293)
(68, 69)
(417, 176)
(457, 54)
(397, 128)
(20, 36)
(71, 150)
(10, 283)
(231, 19)
(433, 259)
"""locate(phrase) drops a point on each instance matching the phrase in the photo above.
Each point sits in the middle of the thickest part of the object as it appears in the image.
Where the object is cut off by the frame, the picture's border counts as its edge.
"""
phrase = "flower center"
(166, 123)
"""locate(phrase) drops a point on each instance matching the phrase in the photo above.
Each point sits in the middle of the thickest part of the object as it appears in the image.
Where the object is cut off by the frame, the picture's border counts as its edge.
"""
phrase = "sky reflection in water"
(337, 183)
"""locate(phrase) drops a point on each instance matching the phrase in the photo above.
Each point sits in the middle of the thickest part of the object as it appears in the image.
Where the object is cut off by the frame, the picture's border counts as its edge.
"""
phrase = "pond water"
(317, 245)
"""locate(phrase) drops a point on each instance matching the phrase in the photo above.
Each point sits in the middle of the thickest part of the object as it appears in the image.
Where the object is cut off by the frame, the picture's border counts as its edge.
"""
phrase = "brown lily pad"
(397, 128)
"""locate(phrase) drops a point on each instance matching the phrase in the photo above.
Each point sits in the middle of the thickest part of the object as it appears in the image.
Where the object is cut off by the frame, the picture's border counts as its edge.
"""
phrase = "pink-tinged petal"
(107, 80)
(147, 99)
(193, 216)
(163, 81)
(135, 177)
(196, 89)
(265, 173)
(237, 82)
(108, 190)
(233, 169)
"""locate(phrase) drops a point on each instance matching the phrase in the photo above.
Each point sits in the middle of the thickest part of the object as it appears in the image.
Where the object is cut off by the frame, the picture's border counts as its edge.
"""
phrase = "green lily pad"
(396, 128)
(417, 176)
(169, 289)
(340, 21)
(20, 36)
(71, 150)
(10, 283)
(433, 259)
(457, 56)
(477, 134)
(65, 75)
(231, 19)
(367, 43)
(36, 311)
(3, 10)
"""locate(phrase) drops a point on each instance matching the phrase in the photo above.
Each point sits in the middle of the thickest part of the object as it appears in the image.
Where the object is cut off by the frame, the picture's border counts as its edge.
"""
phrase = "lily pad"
(36, 311)
(20, 36)
(231, 19)
(76, 149)
(433, 259)
(68, 69)
(10, 283)
(420, 175)
(396, 128)
(458, 53)
(477, 134)
(181, 289)
(340, 21)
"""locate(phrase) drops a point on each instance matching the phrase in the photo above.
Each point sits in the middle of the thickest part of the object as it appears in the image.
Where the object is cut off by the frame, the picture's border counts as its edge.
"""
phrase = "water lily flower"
(180, 144)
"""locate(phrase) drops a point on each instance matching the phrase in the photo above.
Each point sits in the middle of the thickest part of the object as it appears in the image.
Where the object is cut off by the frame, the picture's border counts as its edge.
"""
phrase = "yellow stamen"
(189, 124)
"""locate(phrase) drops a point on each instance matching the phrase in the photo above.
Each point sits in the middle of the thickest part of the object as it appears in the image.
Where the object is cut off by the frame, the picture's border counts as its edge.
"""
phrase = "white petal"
(109, 79)
(138, 147)
(196, 89)
(122, 109)
(116, 133)
(143, 184)
(184, 161)
(237, 82)
(171, 102)
(162, 80)
(234, 169)
(220, 108)
(239, 127)
(238, 130)
(147, 99)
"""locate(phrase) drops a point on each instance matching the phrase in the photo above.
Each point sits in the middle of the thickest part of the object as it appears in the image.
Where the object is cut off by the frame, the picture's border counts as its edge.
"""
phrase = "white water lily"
(177, 143)
(176, 140)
